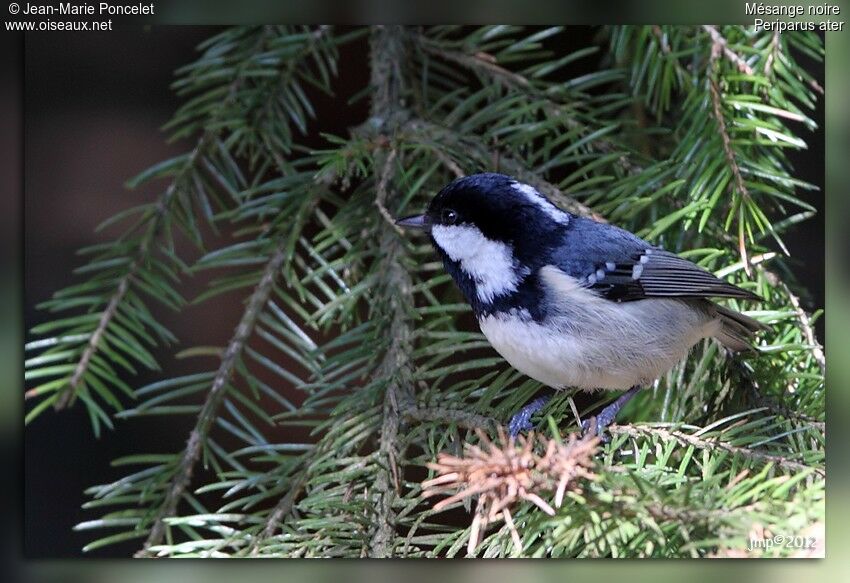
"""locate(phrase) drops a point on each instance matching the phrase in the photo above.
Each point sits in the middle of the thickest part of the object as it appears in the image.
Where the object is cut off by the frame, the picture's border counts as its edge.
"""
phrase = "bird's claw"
(521, 422)
(606, 417)
(593, 427)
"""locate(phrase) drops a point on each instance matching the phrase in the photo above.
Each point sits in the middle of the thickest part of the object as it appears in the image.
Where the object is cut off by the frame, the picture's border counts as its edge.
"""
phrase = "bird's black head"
(492, 233)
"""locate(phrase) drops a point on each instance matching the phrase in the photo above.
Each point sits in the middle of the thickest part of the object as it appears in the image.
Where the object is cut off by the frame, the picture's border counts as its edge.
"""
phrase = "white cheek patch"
(490, 264)
(534, 197)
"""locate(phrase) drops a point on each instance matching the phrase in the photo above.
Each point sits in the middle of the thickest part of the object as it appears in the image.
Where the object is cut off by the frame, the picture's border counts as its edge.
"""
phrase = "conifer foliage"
(679, 133)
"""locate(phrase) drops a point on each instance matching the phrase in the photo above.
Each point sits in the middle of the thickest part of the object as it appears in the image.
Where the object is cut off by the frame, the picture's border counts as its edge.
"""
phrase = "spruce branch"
(480, 62)
(191, 454)
(387, 54)
(358, 317)
(153, 230)
(285, 505)
(269, 111)
(487, 65)
(154, 226)
(712, 444)
(760, 400)
(417, 128)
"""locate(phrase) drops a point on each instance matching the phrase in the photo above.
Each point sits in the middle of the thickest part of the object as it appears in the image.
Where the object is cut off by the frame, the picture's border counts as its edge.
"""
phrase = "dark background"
(93, 106)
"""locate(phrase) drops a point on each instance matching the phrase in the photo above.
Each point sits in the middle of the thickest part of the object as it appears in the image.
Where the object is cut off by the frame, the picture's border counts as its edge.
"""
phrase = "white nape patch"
(490, 264)
(534, 197)
(589, 342)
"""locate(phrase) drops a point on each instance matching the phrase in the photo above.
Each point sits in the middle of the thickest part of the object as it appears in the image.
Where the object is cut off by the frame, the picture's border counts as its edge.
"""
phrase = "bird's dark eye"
(449, 217)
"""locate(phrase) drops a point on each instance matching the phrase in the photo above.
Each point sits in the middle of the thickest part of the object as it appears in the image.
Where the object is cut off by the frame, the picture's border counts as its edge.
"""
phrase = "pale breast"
(592, 343)
(556, 360)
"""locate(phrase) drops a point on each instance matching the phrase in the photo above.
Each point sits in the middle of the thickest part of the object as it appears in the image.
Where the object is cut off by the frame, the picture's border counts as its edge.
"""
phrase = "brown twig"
(717, 109)
(774, 54)
(770, 62)
(802, 318)
(381, 196)
(719, 41)
(806, 325)
(449, 163)
(66, 398)
(446, 416)
(659, 36)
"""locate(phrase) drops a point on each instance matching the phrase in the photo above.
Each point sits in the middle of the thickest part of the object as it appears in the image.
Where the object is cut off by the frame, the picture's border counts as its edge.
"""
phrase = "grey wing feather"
(659, 273)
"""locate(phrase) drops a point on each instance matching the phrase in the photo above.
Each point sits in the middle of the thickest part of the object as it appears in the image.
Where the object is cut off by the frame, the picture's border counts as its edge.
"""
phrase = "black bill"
(414, 222)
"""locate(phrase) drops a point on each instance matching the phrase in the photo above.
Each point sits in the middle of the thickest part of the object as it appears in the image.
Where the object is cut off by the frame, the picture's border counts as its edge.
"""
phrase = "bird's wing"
(658, 273)
(622, 267)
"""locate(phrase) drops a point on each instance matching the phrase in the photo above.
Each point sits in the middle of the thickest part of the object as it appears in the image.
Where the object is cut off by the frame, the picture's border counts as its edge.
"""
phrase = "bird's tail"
(737, 330)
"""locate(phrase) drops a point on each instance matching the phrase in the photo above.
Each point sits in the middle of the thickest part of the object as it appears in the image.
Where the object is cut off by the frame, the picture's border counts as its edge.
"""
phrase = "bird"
(570, 301)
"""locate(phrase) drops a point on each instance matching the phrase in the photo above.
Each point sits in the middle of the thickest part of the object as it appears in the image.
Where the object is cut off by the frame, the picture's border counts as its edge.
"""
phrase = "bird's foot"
(594, 426)
(521, 421)
(597, 425)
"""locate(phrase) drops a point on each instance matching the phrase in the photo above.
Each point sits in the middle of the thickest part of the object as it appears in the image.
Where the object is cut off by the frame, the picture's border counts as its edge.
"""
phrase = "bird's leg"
(609, 413)
(521, 421)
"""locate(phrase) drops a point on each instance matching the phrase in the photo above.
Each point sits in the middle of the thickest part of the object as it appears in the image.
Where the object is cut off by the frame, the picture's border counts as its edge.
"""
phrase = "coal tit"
(570, 301)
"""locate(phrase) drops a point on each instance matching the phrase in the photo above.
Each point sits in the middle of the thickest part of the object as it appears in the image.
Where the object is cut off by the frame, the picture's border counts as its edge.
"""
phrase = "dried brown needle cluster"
(503, 472)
